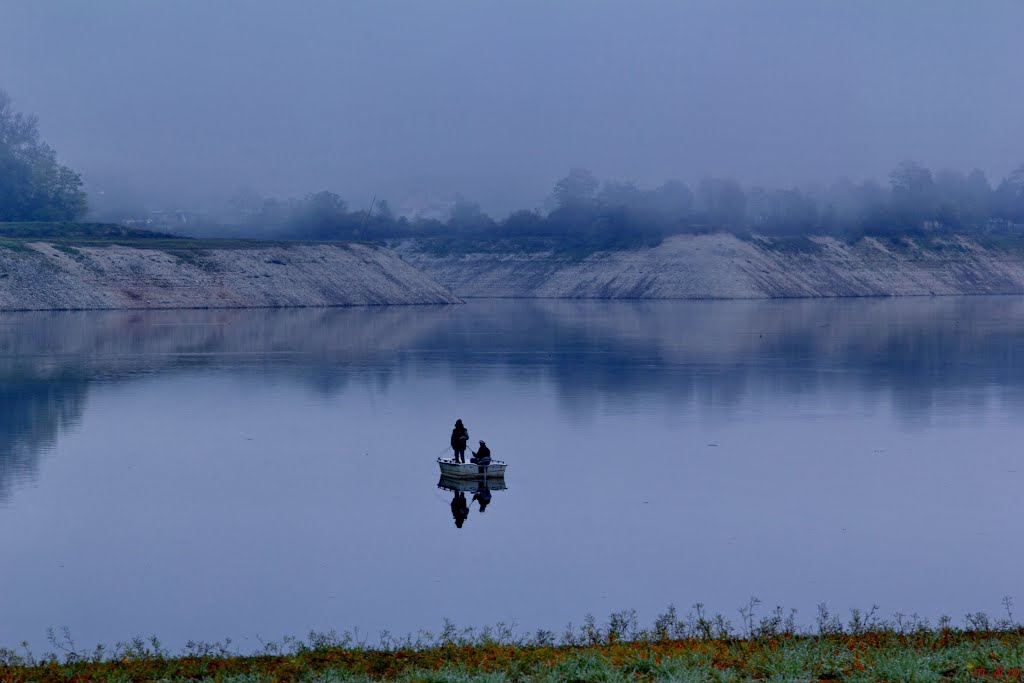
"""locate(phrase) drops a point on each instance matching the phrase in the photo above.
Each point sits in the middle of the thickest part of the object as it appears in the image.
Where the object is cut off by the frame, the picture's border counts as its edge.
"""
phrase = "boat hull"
(472, 485)
(468, 470)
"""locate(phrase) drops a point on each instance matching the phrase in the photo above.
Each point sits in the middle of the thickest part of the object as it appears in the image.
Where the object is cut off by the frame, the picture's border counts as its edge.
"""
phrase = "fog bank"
(180, 104)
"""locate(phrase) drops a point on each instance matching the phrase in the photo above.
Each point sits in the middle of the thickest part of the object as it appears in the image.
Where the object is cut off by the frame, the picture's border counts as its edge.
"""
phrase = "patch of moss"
(17, 246)
(797, 244)
(77, 231)
(69, 250)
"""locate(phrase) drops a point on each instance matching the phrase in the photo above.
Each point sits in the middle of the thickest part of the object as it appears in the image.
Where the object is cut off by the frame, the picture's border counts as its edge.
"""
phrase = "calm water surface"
(251, 474)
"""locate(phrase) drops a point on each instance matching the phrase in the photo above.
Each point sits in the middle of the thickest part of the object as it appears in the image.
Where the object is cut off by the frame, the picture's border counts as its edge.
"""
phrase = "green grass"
(799, 244)
(567, 248)
(697, 647)
(70, 251)
(77, 231)
(18, 246)
(67, 236)
(876, 656)
(1001, 240)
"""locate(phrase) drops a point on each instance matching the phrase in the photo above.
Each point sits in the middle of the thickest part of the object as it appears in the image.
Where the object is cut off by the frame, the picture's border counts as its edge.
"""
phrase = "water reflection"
(33, 410)
(914, 355)
(245, 454)
(481, 493)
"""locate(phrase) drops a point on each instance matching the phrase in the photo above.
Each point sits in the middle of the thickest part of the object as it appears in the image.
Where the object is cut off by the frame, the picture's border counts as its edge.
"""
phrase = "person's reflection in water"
(460, 508)
(483, 496)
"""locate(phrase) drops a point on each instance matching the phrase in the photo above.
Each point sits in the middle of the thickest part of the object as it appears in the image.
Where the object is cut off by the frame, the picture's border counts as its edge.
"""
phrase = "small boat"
(471, 485)
(470, 470)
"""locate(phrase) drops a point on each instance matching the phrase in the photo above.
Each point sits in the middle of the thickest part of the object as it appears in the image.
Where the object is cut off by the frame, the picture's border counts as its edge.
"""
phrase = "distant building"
(166, 219)
(423, 208)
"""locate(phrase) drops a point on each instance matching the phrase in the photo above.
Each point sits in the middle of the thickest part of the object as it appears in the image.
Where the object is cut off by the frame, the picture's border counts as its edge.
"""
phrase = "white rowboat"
(472, 485)
(469, 470)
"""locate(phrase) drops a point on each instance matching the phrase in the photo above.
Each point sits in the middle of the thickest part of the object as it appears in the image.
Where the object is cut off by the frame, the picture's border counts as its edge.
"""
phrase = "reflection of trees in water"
(49, 359)
(32, 413)
(711, 354)
(717, 354)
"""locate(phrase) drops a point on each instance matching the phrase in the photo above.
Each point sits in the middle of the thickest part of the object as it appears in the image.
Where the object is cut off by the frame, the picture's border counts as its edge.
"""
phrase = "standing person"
(460, 437)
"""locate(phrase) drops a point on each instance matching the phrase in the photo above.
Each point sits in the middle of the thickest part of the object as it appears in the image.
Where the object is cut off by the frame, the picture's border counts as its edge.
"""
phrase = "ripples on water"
(201, 474)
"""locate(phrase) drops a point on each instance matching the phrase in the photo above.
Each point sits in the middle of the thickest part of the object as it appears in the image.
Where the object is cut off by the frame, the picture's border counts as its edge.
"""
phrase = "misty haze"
(529, 341)
(166, 106)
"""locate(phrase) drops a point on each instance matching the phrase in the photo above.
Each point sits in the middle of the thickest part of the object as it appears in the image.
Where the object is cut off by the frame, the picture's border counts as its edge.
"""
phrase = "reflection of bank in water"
(481, 494)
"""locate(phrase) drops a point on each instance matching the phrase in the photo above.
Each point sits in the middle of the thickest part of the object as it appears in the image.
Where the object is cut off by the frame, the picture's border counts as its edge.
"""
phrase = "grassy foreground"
(692, 648)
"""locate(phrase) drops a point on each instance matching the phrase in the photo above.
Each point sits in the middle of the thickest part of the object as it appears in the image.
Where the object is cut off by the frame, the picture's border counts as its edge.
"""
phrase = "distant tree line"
(588, 214)
(584, 213)
(33, 185)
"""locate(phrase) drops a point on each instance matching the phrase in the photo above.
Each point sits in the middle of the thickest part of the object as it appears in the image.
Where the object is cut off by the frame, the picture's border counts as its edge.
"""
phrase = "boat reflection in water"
(479, 490)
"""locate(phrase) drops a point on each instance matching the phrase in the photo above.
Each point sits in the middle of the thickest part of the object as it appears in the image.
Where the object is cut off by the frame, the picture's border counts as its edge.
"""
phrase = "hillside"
(724, 266)
(91, 273)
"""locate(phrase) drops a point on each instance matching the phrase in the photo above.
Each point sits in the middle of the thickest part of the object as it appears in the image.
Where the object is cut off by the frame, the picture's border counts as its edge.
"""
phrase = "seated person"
(483, 455)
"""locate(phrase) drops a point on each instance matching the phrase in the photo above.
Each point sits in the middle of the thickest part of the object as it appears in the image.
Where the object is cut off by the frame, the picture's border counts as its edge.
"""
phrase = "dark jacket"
(484, 452)
(460, 437)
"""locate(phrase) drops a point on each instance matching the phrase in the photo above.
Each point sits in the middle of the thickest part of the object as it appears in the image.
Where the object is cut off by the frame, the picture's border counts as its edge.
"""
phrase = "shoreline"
(722, 266)
(860, 651)
(43, 275)
(84, 272)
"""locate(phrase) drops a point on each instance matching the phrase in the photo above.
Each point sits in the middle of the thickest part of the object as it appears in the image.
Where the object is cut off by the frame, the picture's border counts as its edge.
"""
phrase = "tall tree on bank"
(33, 185)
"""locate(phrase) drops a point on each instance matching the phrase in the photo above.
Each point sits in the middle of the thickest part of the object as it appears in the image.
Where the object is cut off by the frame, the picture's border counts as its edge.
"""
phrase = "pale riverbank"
(722, 266)
(41, 275)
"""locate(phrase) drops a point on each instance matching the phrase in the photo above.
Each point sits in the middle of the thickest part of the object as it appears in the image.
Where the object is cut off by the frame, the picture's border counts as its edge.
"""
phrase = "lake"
(257, 473)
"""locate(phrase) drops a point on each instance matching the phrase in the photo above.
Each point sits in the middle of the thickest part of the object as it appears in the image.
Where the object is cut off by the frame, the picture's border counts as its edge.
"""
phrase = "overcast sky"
(188, 100)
